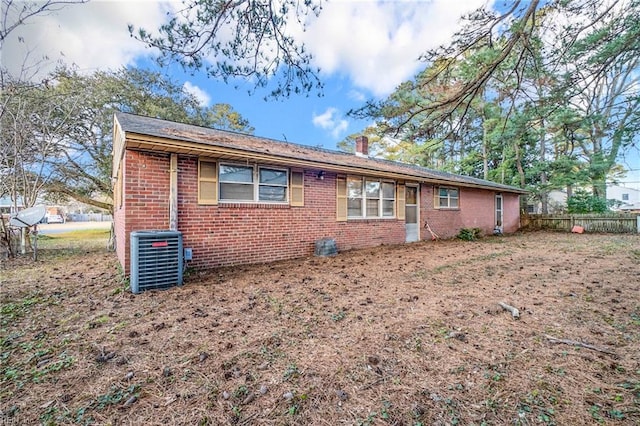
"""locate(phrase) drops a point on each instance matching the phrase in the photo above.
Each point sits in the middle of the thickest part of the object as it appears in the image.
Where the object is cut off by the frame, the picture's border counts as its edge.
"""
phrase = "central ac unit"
(156, 260)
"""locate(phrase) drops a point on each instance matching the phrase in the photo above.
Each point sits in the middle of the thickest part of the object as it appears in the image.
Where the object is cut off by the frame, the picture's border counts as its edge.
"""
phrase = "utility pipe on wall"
(173, 192)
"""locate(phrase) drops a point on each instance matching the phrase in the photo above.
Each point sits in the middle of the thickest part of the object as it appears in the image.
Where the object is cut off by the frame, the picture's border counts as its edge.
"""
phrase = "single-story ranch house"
(241, 199)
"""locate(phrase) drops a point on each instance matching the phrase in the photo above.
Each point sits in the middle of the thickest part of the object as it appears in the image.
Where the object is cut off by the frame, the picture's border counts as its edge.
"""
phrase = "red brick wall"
(511, 215)
(227, 234)
(247, 233)
(145, 198)
(477, 210)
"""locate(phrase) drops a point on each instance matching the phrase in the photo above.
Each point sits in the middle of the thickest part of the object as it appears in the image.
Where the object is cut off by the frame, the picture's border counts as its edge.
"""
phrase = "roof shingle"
(147, 126)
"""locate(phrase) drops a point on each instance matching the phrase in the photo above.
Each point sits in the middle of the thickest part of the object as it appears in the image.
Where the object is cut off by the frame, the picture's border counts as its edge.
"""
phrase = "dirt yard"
(398, 335)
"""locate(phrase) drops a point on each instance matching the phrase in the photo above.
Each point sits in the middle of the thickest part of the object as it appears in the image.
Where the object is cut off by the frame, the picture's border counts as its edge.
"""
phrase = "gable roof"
(622, 187)
(146, 133)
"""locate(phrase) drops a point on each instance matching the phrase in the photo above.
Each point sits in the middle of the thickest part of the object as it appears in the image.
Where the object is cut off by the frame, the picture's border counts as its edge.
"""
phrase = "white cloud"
(92, 36)
(203, 97)
(330, 121)
(357, 95)
(377, 43)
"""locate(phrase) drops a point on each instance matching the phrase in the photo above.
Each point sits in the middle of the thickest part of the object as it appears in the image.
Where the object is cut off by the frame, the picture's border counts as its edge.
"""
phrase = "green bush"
(583, 202)
(469, 234)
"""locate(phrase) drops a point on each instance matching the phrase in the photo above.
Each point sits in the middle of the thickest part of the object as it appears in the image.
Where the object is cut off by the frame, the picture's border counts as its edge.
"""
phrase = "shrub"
(469, 234)
(583, 202)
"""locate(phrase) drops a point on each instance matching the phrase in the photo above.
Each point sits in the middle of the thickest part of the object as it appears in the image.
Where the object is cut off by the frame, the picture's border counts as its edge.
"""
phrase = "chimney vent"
(362, 146)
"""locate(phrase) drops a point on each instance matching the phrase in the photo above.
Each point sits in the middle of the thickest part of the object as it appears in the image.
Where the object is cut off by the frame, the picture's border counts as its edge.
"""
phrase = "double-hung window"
(354, 197)
(228, 182)
(272, 185)
(372, 193)
(388, 200)
(447, 198)
(253, 183)
(371, 198)
(236, 183)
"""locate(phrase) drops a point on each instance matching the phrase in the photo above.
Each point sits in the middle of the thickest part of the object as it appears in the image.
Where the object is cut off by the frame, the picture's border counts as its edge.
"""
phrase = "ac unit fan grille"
(156, 260)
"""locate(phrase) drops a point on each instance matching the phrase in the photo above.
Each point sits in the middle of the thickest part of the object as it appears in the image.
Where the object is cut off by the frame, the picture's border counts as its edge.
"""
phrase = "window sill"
(370, 219)
(253, 205)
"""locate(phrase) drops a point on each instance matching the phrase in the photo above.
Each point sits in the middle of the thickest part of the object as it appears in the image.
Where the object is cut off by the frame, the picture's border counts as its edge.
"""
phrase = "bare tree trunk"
(544, 195)
(485, 160)
(521, 174)
(6, 237)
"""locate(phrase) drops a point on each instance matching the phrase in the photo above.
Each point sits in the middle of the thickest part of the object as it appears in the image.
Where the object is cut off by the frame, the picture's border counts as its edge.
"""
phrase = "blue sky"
(365, 48)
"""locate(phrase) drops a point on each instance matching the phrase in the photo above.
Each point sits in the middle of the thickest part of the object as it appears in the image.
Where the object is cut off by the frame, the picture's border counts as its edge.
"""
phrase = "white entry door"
(499, 212)
(411, 213)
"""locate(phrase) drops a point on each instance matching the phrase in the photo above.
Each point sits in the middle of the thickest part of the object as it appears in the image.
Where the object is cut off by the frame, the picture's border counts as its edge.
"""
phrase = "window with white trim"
(370, 198)
(354, 197)
(447, 198)
(236, 183)
(272, 184)
(388, 199)
(253, 183)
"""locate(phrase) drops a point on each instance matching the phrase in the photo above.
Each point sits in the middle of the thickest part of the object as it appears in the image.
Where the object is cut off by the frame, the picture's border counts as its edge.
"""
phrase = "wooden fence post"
(638, 224)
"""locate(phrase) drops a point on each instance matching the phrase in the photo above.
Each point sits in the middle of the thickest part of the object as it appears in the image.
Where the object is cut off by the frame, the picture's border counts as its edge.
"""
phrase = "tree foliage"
(30, 119)
(584, 202)
(543, 95)
(74, 139)
(239, 38)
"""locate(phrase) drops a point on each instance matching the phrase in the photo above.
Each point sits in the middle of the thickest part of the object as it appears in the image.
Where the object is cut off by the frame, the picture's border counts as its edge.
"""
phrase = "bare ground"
(401, 335)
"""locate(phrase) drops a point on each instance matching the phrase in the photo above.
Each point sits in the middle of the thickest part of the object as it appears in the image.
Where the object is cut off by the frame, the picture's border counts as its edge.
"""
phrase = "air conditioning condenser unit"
(156, 260)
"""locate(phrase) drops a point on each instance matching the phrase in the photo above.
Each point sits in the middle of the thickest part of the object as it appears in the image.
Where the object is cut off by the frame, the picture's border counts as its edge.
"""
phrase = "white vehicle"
(54, 218)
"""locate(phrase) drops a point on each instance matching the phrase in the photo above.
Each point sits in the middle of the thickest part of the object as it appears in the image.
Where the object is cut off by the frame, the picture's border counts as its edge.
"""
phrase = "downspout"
(173, 192)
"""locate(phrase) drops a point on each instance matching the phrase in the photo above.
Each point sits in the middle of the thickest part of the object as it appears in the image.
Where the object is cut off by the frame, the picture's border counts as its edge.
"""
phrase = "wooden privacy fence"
(610, 222)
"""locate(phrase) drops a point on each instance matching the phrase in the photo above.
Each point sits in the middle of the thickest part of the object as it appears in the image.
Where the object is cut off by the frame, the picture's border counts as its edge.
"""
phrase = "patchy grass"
(407, 335)
(52, 251)
(74, 241)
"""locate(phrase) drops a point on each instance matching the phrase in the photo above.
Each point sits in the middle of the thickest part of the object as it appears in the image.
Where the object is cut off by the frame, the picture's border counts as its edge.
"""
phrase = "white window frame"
(499, 211)
(393, 200)
(363, 198)
(255, 173)
(448, 206)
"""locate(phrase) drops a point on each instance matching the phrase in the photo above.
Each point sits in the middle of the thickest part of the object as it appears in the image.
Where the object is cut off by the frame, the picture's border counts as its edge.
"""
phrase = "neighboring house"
(628, 199)
(7, 206)
(243, 199)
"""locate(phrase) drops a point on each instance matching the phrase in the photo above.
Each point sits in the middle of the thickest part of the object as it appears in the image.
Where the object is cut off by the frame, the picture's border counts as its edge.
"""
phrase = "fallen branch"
(370, 385)
(514, 311)
(580, 344)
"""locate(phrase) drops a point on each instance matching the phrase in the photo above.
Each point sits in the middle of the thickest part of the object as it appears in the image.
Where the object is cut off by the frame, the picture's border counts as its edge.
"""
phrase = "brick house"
(243, 199)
